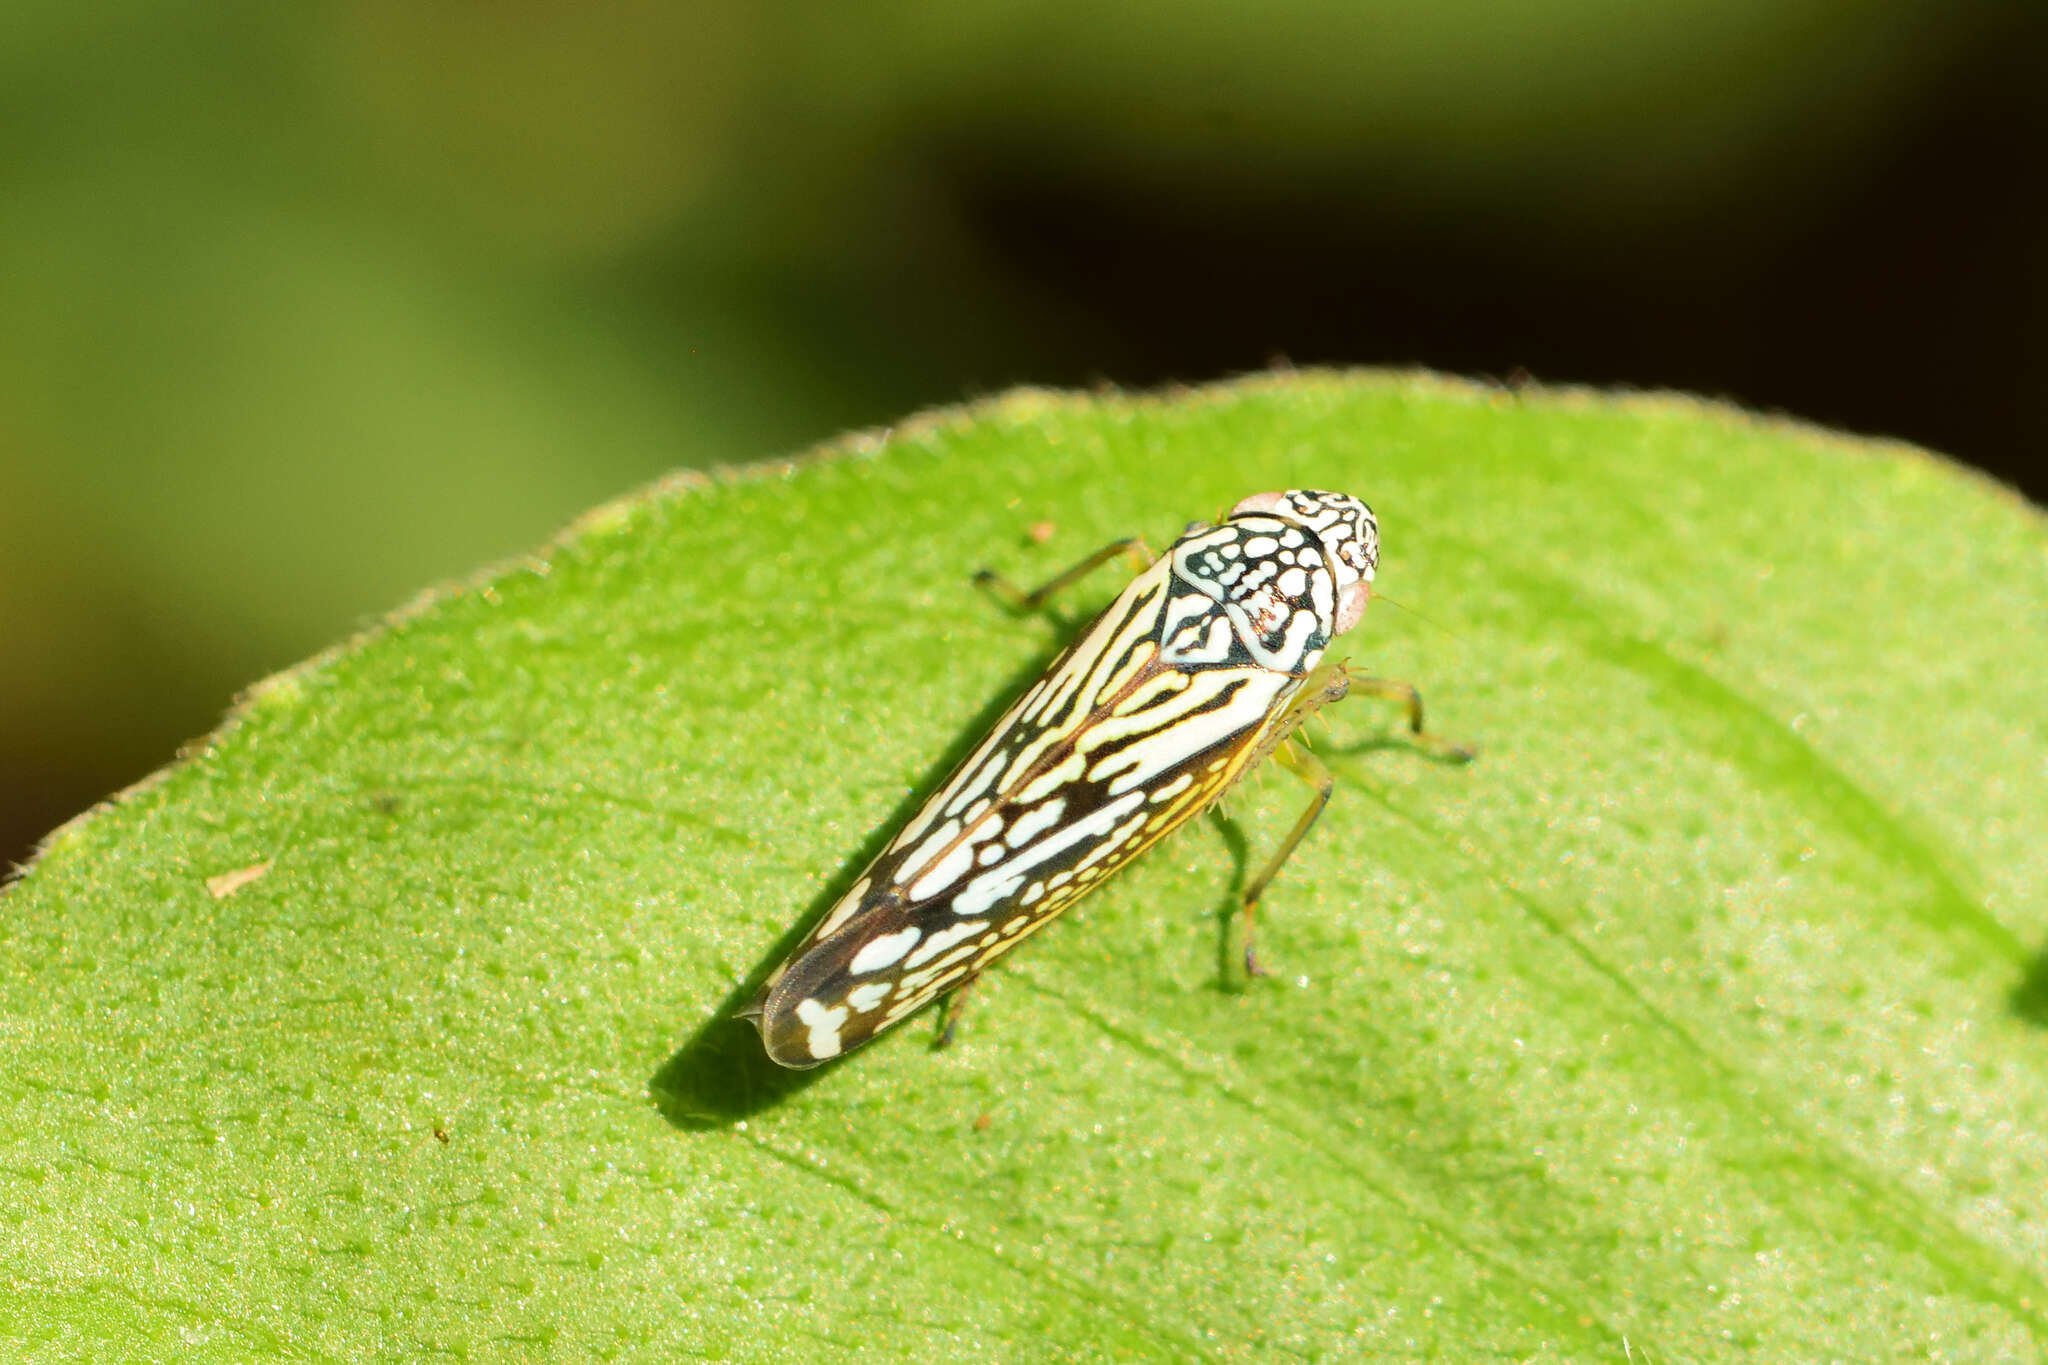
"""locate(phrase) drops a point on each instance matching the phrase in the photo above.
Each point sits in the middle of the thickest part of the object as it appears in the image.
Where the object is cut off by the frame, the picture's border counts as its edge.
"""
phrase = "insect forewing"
(1142, 722)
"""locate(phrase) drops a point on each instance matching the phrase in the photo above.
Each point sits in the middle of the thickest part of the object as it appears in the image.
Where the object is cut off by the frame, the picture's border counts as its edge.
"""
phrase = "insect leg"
(1405, 693)
(1309, 769)
(1134, 549)
(1330, 683)
(950, 1011)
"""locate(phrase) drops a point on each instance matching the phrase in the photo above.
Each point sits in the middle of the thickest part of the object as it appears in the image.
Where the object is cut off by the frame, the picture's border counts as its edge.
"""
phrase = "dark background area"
(308, 309)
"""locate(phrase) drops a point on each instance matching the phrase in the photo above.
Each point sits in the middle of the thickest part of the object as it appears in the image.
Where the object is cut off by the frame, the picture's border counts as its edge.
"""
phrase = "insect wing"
(1106, 754)
(1164, 701)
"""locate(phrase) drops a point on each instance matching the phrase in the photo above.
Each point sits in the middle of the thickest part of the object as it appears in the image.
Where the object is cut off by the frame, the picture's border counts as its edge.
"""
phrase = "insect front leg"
(1133, 549)
(1405, 693)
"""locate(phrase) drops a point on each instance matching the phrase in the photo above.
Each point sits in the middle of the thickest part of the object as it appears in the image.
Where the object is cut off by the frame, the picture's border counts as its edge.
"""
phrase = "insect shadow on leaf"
(721, 1076)
(2029, 998)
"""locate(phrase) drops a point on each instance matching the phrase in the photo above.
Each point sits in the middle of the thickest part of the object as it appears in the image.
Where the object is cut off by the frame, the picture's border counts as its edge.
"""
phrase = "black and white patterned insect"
(1203, 666)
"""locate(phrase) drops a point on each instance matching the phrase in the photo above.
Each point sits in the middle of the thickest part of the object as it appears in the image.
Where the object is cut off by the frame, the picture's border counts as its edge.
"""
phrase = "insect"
(1202, 667)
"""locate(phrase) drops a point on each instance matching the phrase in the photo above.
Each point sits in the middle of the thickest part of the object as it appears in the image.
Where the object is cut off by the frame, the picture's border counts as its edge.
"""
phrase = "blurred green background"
(308, 306)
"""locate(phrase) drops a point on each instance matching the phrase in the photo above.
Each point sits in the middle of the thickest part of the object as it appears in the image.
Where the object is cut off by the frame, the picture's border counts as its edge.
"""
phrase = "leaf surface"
(1700, 1019)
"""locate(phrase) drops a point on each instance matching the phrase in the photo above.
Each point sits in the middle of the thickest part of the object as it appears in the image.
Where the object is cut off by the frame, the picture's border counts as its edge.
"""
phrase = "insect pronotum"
(1204, 665)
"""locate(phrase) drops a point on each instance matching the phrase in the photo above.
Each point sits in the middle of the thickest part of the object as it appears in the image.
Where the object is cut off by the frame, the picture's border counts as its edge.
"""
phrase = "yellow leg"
(1330, 683)
(1405, 693)
(1309, 769)
(1135, 550)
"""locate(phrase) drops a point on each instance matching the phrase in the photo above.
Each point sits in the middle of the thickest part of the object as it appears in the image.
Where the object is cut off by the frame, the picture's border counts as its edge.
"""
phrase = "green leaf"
(1698, 1020)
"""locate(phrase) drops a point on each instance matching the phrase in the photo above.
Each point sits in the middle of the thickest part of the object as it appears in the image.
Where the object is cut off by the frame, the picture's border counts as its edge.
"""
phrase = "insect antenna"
(1421, 616)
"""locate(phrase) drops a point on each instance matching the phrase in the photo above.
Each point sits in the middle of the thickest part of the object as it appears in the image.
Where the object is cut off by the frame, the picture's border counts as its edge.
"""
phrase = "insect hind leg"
(1331, 683)
(1131, 548)
(1419, 737)
(951, 1010)
(1309, 769)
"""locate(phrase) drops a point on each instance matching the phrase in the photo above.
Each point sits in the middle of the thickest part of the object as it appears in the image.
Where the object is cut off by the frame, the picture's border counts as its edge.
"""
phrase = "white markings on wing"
(1116, 840)
(977, 784)
(1003, 880)
(1105, 642)
(824, 1023)
(1052, 779)
(1141, 762)
(1032, 823)
(929, 849)
(886, 951)
(976, 773)
(1150, 691)
(1201, 691)
(944, 872)
(942, 940)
